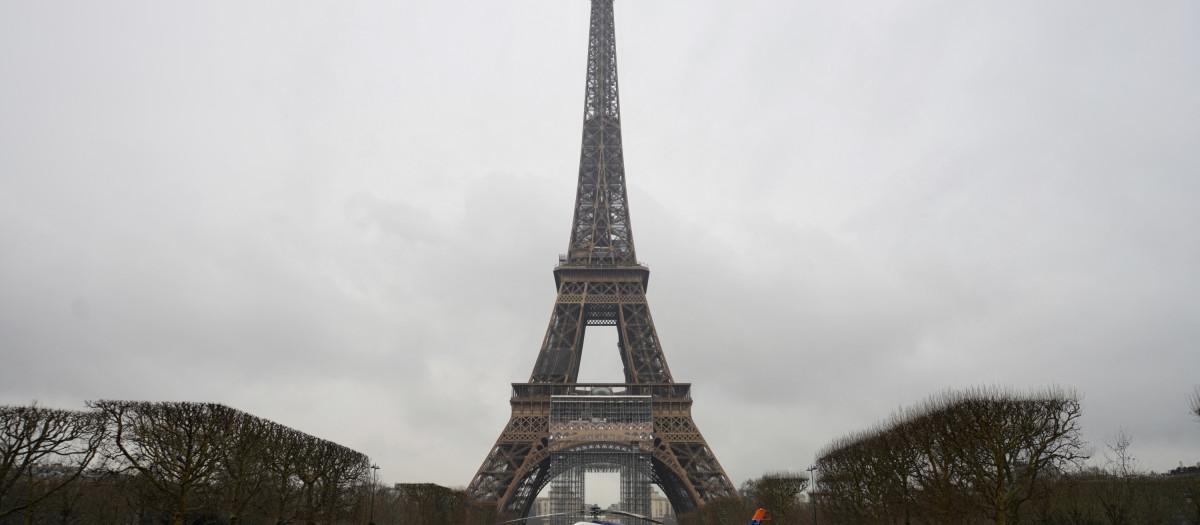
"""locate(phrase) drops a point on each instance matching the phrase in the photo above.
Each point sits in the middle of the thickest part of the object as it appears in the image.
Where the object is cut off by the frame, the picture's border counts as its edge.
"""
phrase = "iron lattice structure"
(600, 433)
(600, 282)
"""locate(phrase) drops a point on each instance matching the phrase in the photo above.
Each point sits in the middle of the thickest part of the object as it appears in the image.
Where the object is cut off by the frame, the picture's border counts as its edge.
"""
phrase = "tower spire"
(600, 232)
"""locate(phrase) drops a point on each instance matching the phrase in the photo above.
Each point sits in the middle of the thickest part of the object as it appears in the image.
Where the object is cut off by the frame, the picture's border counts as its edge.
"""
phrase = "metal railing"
(657, 390)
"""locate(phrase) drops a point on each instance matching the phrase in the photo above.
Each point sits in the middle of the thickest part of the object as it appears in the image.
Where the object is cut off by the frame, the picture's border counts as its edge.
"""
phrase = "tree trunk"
(180, 510)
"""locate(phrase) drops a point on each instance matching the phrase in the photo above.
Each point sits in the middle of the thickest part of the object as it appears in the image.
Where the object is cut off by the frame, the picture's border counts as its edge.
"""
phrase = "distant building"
(556, 501)
(541, 506)
(660, 507)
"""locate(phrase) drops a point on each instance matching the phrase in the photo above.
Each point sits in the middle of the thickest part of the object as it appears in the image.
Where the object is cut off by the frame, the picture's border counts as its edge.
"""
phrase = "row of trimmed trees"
(960, 457)
(156, 462)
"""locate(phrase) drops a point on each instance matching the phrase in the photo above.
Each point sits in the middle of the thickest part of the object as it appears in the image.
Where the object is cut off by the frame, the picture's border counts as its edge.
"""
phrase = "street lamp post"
(374, 473)
(812, 488)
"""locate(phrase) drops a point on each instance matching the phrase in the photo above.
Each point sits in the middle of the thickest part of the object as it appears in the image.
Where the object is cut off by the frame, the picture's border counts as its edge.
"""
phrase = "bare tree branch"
(34, 438)
(1194, 402)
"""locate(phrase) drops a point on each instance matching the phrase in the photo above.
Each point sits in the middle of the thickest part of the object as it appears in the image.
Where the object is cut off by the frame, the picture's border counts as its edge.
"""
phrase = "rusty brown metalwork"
(600, 283)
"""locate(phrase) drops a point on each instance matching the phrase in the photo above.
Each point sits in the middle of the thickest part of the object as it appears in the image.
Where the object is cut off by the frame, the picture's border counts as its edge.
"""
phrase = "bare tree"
(749, 490)
(342, 471)
(848, 486)
(283, 464)
(718, 512)
(48, 448)
(1115, 487)
(309, 472)
(982, 450)
(431, 504)
(1194, 402)
(243, 471)
(894, 462)
(181, 462)
(176, 447)
(1120, 462)
(776, 492)
(328, 475)
(1003, 442)
(1067, 500)
(895, 471)
(1186, 496)
(424, 503)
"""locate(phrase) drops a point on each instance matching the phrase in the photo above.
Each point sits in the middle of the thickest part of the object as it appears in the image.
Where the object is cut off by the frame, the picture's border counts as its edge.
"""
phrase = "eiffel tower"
(600, 282)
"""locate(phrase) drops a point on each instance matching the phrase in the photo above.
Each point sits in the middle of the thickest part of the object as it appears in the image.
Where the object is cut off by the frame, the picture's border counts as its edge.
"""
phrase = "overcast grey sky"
(344, 216)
